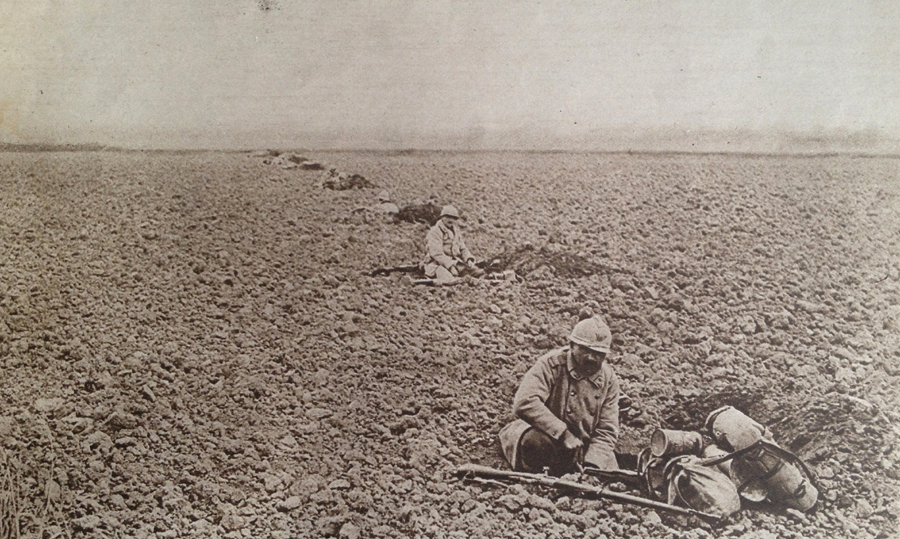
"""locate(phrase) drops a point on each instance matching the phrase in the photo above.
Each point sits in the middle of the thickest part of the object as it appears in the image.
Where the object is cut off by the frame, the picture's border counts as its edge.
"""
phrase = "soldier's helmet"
(449, 211)
(384, 196)
(592, 333)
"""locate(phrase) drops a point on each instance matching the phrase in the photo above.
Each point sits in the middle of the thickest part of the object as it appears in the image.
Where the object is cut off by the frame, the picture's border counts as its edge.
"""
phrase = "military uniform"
(444, 247)
(386, 207)
(553, 398)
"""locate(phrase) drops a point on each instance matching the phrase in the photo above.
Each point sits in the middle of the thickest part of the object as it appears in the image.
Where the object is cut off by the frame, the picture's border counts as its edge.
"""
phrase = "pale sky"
(446, 73)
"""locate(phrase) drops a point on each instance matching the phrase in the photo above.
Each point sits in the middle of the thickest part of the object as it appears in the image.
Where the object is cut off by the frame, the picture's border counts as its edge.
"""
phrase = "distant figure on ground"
(385, 205)
(385, 210)
(568, 407)
(446, 254)
(341, 181)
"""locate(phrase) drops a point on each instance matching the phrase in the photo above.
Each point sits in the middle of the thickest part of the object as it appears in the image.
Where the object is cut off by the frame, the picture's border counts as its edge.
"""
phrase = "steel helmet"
(449, 211)
(592, 333)
(384, 196)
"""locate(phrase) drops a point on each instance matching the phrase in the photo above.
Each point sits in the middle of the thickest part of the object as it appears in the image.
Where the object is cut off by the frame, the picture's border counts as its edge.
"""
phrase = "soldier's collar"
(570, 366)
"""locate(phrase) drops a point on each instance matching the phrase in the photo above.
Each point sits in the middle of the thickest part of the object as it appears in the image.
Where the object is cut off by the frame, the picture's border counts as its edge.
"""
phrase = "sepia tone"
(192, 345)
(213, 320)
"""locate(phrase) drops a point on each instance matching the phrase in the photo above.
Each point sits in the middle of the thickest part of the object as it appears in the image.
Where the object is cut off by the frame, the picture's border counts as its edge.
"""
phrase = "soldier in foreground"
(568, 407)
(446, 254)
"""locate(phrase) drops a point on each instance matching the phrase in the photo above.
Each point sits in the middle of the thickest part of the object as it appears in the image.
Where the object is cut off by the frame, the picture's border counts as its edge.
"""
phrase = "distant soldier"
(385, 210)
(568, 407)
(447, 256)
(385, 205)
(330, 178)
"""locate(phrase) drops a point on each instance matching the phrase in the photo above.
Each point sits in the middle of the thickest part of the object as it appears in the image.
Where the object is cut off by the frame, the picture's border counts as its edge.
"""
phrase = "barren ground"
(189, 346)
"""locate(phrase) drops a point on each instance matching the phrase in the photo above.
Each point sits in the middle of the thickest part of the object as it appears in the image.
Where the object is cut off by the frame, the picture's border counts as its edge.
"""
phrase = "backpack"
(702, 488)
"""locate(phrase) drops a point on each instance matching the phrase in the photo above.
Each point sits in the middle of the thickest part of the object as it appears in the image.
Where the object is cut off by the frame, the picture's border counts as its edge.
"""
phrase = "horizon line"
(51, 148)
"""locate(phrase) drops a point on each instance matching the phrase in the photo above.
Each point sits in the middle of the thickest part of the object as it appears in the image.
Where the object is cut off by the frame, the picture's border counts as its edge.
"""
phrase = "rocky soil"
(189, 346)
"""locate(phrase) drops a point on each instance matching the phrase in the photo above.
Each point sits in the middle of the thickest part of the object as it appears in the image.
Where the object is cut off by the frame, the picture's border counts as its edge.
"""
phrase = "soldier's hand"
(572, 442)
(476, 271)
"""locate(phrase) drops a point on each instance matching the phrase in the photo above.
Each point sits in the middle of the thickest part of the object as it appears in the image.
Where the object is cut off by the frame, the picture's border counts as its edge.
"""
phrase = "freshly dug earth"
(420, 213)
(190, 345)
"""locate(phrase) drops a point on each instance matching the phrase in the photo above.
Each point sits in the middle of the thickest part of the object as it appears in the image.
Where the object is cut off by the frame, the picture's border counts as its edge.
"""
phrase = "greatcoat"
(444, 247)
(553, 398)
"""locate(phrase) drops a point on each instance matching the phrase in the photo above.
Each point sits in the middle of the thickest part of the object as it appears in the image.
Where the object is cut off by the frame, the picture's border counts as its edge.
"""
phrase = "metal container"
(651, 469)
(665, 443)
(730, 428)
(749, 487)
(786, 484)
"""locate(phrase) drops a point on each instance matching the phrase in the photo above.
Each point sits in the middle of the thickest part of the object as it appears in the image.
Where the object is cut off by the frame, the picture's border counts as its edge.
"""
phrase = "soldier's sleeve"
(531, 396)
(464, 251)
(434, 247)
(603, 440)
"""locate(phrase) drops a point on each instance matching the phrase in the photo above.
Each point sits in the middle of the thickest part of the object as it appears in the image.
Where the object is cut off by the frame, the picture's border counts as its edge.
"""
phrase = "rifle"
(471, 471)
(624, 476)
(410, 268)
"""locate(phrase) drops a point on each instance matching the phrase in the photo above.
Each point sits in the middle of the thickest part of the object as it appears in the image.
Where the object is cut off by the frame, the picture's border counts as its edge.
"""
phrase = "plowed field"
(190, 345)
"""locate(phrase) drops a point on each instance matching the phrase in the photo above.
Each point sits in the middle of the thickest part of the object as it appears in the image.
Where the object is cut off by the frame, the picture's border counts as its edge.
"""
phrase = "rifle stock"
(476, 470)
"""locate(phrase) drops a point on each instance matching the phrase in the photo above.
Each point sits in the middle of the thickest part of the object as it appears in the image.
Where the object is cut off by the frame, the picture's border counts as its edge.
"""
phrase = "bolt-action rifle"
(623, 476)
(409, 268)
(474, 471)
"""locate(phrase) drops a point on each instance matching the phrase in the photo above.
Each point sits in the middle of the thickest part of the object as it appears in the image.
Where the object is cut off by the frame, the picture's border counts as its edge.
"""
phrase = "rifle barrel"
(409, 268)
(637, 500)
(546, 480)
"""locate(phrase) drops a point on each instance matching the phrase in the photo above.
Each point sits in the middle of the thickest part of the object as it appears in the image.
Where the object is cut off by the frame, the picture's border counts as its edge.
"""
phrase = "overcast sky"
(442, 73)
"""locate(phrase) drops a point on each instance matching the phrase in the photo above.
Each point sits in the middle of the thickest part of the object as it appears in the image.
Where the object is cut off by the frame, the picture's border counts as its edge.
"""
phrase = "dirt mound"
(837, 420)
(278, 158)
(420, 213)
(691, 408)
(527, 259)
(311, 165)
(344, 183)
